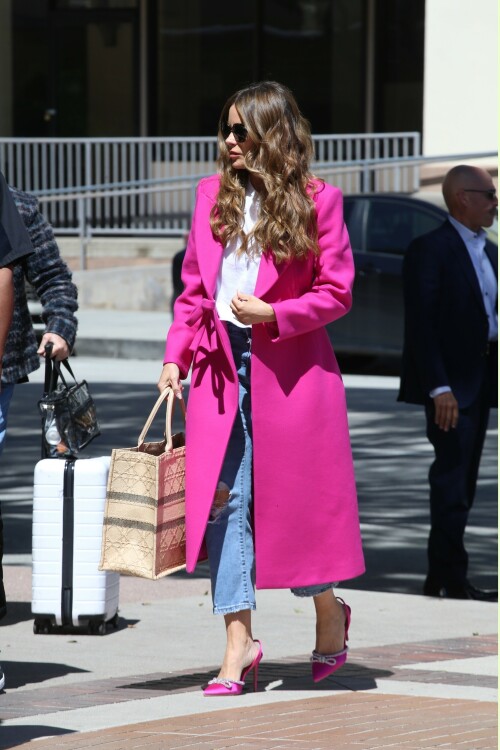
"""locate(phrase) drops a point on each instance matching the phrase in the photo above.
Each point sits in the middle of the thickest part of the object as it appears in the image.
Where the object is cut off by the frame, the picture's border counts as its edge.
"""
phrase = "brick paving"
(354, 720)
(345, 711)
(364, 667)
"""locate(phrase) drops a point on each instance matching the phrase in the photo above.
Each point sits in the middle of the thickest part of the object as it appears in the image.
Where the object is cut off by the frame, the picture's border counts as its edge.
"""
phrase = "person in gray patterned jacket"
(15, 245)
(50, 277)
(6, 309)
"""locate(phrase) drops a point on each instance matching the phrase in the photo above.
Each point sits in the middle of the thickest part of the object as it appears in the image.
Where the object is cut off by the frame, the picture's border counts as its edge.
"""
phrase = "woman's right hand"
(170, 378)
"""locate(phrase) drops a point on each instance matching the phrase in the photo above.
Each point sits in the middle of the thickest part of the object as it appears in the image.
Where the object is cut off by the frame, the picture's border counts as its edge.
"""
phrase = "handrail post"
(416, 169)
(193, 195)
(366, 186)
(82, 232)
(88, 181)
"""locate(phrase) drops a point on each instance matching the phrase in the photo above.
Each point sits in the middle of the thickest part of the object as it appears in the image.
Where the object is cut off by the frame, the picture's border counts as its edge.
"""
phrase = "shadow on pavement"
(366, 364)
(277, 675)
(27, 672)
(15, 736)
(21, 612)
(391, 456)
(17, 612)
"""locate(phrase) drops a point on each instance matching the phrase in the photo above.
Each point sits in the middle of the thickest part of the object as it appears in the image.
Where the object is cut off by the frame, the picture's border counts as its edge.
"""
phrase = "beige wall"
(460, 77)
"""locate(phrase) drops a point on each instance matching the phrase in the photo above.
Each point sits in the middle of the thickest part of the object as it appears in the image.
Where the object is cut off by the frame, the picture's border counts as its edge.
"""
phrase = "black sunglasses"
(238, 130)
(490, 194)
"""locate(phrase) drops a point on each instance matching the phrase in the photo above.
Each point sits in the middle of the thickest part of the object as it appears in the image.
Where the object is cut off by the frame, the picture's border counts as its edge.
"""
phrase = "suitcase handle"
(168, 395)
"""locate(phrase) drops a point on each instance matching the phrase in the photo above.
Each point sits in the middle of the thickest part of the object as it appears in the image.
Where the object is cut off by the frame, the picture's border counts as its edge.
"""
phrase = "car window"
(353, 211)
(348, 210)
(393, 224)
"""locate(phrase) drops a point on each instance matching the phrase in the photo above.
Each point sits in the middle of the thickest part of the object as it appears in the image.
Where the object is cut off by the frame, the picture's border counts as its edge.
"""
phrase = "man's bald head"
(465, 191)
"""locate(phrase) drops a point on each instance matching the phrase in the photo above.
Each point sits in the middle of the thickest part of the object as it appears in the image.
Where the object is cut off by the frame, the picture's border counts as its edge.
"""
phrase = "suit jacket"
(446, 326)
(305, 508)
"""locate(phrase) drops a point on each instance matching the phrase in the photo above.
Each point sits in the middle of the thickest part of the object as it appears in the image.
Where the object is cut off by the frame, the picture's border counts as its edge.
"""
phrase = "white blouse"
(238, 271)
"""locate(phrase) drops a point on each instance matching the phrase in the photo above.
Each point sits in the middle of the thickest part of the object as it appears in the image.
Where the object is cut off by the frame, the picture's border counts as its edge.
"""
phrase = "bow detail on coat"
(205, 316)
(210, 338)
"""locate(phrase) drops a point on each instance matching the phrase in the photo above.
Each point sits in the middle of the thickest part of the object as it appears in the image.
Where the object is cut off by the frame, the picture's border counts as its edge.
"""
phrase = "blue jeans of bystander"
(5, 398)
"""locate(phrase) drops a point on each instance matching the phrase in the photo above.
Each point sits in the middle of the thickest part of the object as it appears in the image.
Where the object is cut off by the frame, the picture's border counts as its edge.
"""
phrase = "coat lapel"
(491, 251)
(269, 273)
(462, 254)
(209, 260)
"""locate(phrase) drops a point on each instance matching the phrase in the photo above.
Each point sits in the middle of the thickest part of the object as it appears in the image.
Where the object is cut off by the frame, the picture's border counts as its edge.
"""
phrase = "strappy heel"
(323, 665)
(221, 686)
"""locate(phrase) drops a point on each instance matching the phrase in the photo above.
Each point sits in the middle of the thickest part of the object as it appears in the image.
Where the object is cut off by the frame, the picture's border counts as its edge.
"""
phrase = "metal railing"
(44, 165)
(381, 175)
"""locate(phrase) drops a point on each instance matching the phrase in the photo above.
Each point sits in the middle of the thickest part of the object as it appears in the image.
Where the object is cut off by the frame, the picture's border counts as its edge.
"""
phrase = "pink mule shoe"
(324, 665)
(221, 686)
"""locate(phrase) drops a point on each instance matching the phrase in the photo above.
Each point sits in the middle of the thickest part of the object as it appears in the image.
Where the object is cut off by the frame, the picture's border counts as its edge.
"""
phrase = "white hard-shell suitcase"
(68, 508)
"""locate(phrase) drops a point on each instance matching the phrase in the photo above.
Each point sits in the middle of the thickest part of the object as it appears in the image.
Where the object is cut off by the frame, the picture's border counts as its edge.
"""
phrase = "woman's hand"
(250, 310)
(170, 378)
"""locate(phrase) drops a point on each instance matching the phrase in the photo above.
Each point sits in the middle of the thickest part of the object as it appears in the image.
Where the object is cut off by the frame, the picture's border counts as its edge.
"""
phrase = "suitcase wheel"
(42, 626)
(96, 627)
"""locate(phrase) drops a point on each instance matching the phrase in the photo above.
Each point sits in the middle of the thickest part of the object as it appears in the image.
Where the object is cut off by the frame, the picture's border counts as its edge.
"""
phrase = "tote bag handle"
(167, 394)
(53, 371)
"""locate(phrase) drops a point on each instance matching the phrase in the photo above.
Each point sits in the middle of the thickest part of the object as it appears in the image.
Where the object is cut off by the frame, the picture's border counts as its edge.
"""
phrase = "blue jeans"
(229, 534)
(5, 398)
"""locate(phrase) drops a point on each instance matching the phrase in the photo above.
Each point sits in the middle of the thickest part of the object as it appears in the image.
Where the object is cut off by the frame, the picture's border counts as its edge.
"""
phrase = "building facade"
(122, 68)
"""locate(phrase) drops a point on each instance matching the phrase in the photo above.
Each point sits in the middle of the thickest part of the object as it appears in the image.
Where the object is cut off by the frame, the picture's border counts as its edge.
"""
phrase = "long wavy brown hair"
(281, 154)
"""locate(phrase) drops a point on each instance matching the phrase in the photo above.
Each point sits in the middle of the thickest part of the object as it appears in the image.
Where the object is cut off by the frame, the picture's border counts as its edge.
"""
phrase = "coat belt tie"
(208, 341)
(204, 316)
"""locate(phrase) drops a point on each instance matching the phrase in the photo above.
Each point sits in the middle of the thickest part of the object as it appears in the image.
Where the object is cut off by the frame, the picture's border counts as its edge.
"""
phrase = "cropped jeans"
(229, 534)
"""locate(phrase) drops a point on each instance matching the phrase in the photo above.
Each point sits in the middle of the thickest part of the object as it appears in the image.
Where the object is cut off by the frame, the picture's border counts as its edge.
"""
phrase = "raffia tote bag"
(144, 532)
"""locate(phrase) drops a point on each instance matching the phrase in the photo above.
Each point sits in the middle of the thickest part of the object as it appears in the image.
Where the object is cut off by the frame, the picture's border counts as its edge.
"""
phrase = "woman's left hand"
(250, 310)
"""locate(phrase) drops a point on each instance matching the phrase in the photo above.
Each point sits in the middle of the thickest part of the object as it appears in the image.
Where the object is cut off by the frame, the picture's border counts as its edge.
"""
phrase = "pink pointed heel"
(324, 665)
(221, 686)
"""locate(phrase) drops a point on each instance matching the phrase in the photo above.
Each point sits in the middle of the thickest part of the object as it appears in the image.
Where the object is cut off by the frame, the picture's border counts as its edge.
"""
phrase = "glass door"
(93, 75)
(75, 68)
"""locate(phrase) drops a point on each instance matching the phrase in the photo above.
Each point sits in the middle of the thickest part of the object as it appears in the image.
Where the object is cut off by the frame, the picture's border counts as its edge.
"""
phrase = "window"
(399, 65)
(392, 225)
(204, 51)
(90, 4)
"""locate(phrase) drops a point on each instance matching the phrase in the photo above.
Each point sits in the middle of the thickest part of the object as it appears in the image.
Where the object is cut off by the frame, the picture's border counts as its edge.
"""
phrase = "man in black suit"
(450, 363)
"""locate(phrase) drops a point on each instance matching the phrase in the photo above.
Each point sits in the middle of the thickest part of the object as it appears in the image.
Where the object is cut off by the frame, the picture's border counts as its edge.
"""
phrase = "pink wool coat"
(306, 525)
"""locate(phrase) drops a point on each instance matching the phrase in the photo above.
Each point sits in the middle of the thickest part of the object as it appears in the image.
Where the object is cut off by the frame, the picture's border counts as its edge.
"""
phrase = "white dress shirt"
(238, 271)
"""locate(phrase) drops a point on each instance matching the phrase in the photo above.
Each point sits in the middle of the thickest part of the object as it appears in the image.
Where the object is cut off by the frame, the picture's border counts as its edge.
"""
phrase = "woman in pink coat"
(270, 489)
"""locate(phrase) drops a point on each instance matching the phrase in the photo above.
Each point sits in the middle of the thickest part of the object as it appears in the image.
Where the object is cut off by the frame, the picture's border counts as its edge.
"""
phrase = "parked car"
(381, 226)
(380, 229)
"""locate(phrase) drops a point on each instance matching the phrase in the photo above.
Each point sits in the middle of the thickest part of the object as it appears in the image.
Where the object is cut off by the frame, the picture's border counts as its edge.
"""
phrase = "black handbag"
(69, 420)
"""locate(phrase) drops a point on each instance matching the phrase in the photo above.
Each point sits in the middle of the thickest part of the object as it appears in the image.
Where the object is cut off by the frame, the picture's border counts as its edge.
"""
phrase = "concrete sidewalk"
(421, 673)
(122, 334)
